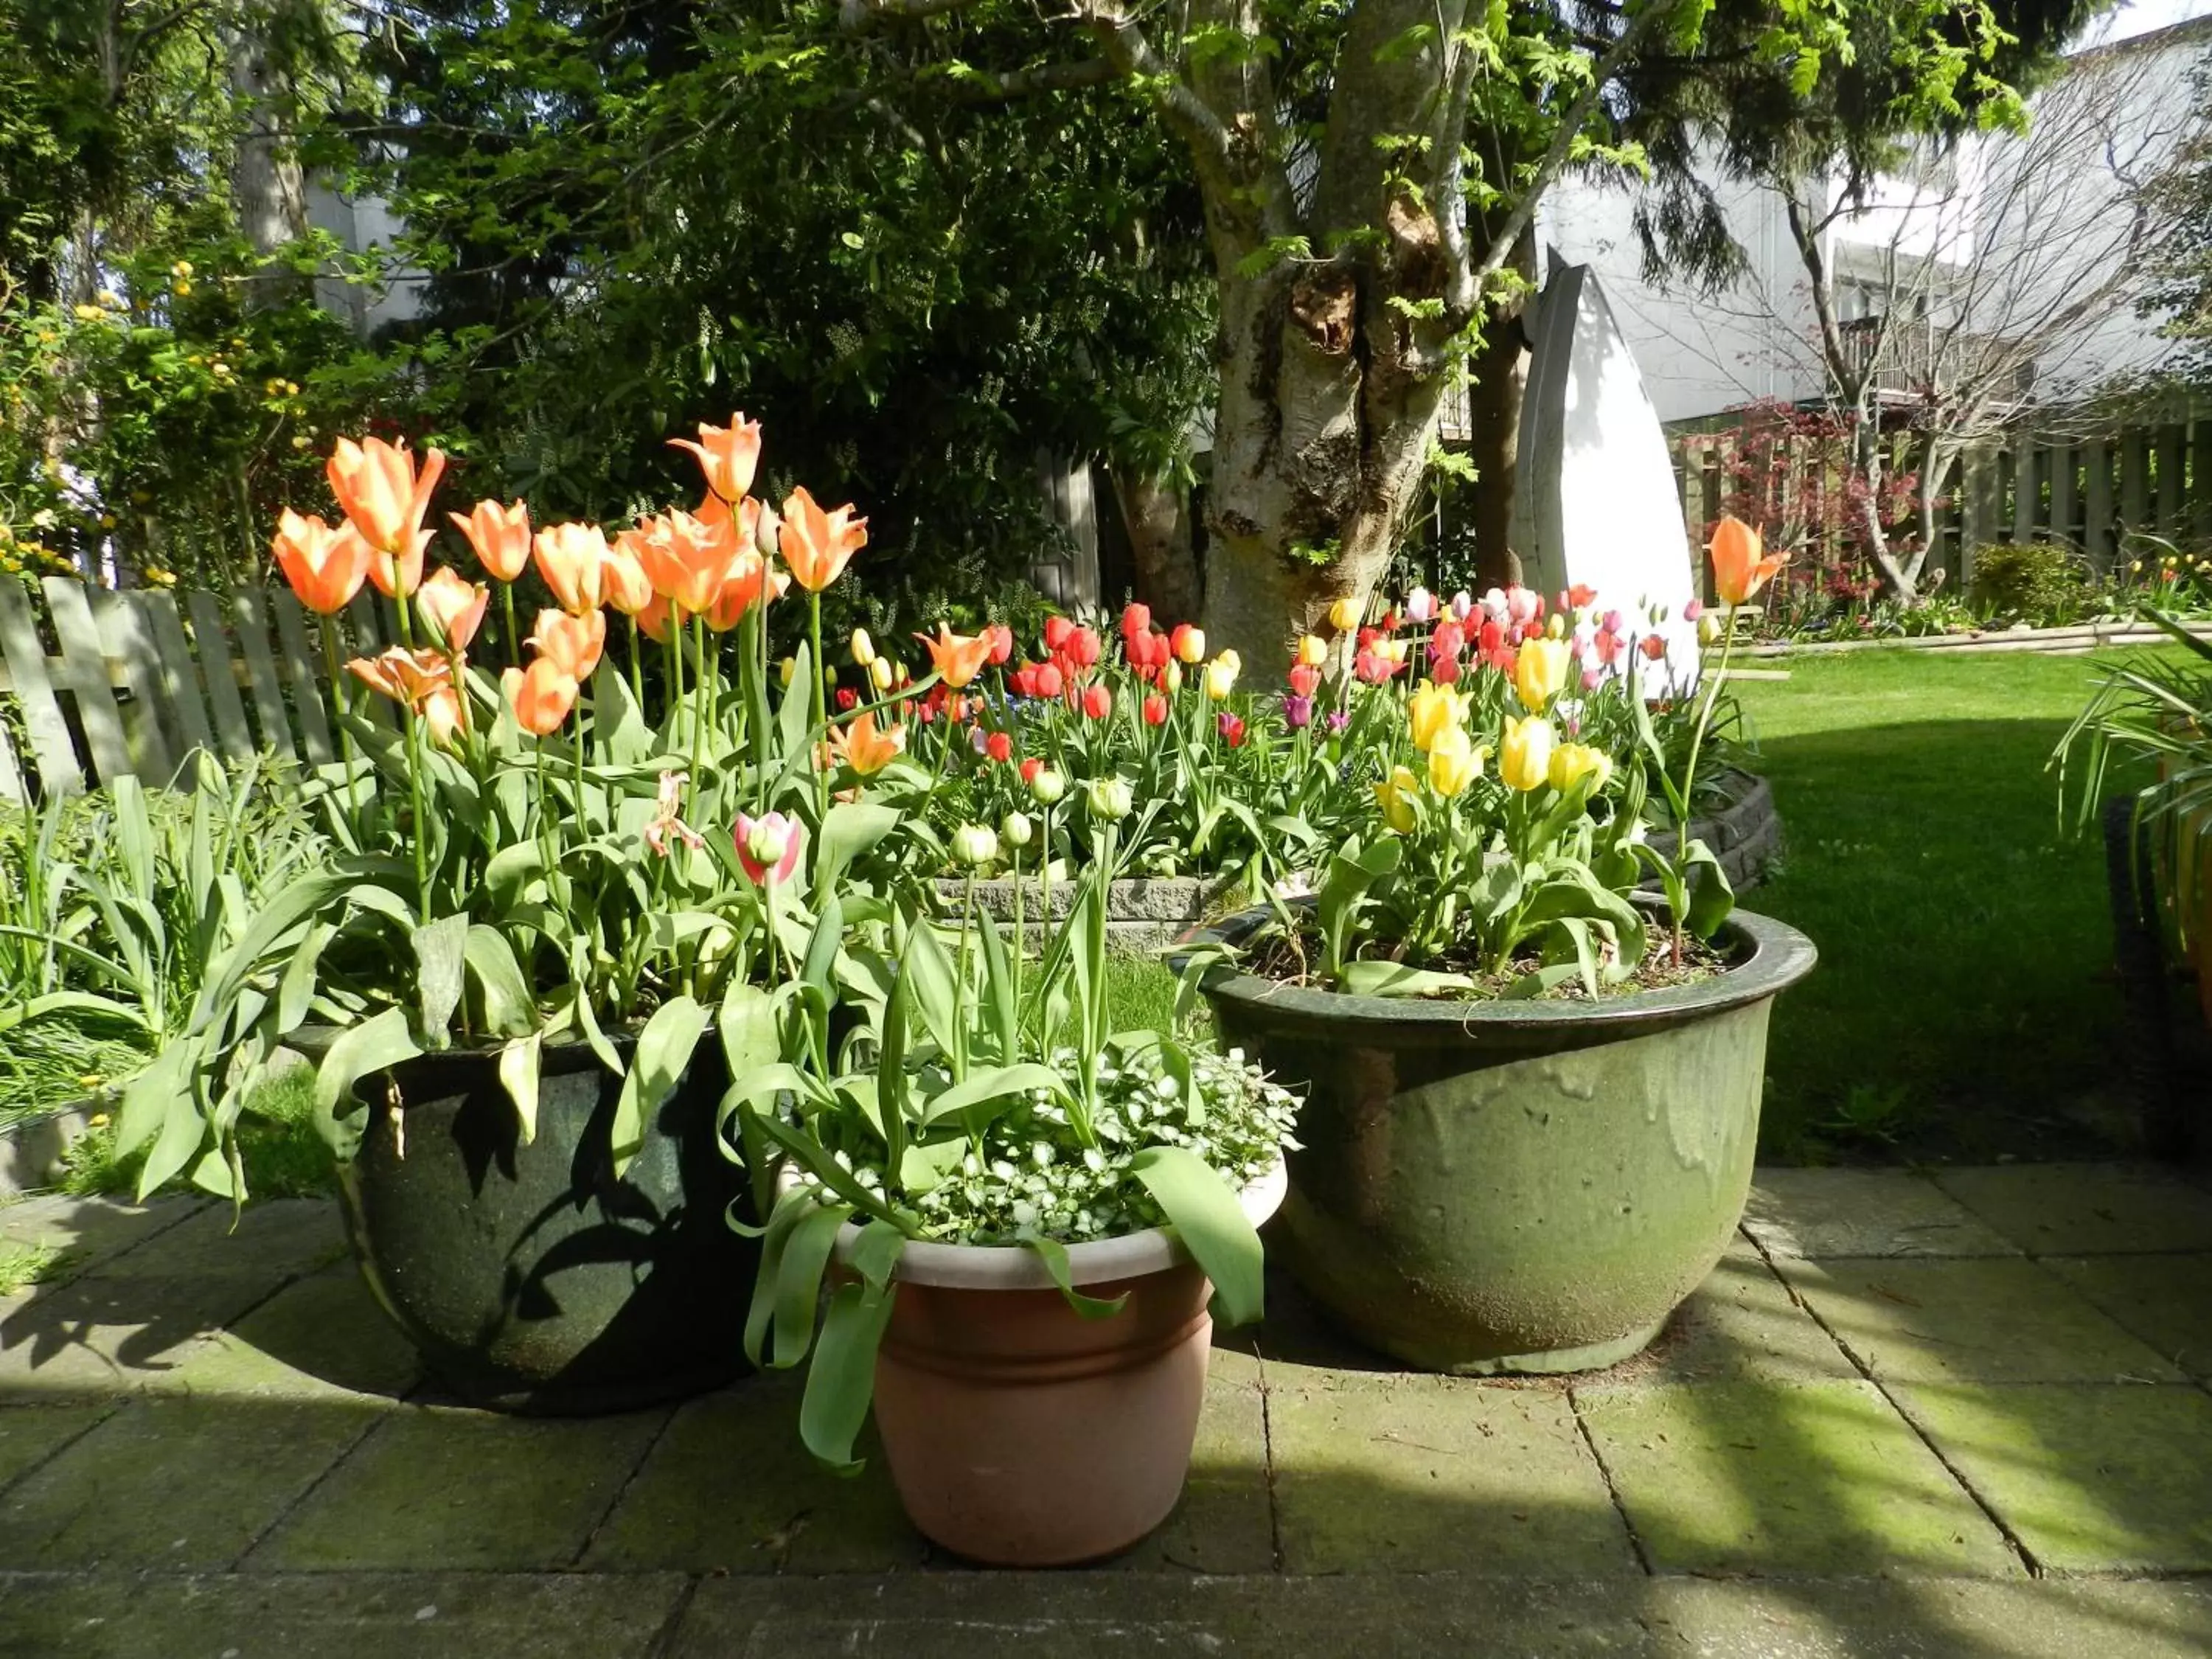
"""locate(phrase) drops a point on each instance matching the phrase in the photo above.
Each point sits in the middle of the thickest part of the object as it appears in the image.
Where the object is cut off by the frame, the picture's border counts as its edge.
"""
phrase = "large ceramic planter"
(1018, 1433)
(1515, 1187)
(531, 1279)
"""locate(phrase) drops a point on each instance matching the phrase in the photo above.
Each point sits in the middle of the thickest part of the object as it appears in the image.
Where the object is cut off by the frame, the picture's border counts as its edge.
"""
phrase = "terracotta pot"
(1020, 1434)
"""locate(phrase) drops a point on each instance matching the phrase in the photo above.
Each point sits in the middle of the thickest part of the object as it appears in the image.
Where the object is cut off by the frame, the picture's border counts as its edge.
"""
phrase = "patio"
(1962, 1412)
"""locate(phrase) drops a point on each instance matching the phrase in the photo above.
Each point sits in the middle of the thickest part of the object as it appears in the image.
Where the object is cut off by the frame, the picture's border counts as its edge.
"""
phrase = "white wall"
(363, 225)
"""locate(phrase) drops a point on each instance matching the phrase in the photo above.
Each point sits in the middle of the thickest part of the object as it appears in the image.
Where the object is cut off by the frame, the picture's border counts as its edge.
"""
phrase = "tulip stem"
(1713, 690)
(338, 703)
(698, 708)
(815, 702)
(419, 832)
(960, 982)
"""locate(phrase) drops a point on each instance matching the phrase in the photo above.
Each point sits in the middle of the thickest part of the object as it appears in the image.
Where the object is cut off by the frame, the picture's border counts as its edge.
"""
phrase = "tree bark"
(1500, 381)
(1157, 515)
(267, 185)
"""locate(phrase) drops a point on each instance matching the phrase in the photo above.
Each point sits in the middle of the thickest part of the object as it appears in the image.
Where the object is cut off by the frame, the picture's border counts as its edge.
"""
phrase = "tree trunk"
(266, 183)
(1157, 518)
(1500, 369)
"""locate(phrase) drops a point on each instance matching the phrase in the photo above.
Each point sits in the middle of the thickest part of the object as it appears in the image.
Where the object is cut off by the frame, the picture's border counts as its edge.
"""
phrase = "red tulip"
(1056, 630)
(1156, 710)
(1030, 768)
(1136, 621)
(1232, 728)
(1002, 644)
(1098, 702)
(999, 746)
(1049, 680)
(1305, 680)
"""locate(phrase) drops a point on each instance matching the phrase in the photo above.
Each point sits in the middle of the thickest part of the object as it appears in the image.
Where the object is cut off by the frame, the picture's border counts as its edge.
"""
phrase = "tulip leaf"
(798, 1281)
(502, 993)
(441, 948)
(618, 727)
(793, 1206)
(795, 719)
(1712, 896)
(1394, 979)
(849, 830)
(841, 1382)
(1204, 1210)
(378, 1043)
(986, 1088)
(664, 1054)
(518, 1071)
(1054, 1254)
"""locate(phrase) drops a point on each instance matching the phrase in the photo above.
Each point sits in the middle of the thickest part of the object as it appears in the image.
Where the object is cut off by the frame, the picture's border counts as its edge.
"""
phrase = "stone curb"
(34, 1152)
(1747, 833)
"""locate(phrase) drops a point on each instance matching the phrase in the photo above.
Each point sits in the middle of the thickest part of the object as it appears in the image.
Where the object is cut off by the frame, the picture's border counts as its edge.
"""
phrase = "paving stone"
(1740, 1323)
(1930, 1619)
(2166, 1300)
(358, 1615)
(30, 1433)
(325, 1335)
(1419, 1473)
(2001, 1320)
(174, 1484)
(1786, 1477)
(106, 1334)
(1880, 1213)
(1100, 1615)
(2090, 1478)
(444, 1486)
(2085, 1209)
(729, 1488)
(1224, 1523)
(90, 1231)
(274, 1241)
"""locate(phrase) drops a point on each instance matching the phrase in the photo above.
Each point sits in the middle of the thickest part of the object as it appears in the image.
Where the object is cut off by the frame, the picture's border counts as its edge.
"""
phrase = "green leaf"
(1054, 1254)
(981, 1088)
(1203, 1209)
(376, 1044)
(849, 830)
(841, 1384)
(502, 992)
(1712, 897)
(798, 1281)
(746, 1022)
(518, 1071)
(791, 1208)
(663, 1055)
(1394, 979)
(148, 1097)
(440, 947)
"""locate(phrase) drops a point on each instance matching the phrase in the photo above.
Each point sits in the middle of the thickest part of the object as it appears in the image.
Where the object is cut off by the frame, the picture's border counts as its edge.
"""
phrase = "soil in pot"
(531, 1279)
(1489, 1187)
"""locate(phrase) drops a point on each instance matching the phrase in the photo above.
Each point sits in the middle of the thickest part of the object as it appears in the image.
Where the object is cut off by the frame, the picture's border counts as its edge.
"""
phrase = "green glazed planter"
(531, 1279)
(1514, 1186)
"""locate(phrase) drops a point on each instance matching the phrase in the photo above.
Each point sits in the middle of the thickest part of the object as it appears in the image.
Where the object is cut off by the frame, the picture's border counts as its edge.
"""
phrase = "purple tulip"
(1338, 720)
(1297, 711)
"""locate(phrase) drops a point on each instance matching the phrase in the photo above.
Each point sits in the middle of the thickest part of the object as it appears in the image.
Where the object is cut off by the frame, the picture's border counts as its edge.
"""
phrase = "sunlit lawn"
(1964, 1005)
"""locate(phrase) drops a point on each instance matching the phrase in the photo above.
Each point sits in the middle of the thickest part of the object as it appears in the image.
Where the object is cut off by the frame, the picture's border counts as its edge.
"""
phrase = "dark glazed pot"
(531, 1279)
(1514, 1186)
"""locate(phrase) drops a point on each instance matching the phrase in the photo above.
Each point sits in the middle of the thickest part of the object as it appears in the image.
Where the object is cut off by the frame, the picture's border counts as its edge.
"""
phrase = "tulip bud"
(974, 843)
(1017, 830)
(1344, 615)
(1710, 628)
(1556, 628)
(767, 532)
(883, 674)
(769, 841)
(785, 671)
(864, 648)
(1313, 650)
(1110, 800)
(1048, 785)
(1171, 678)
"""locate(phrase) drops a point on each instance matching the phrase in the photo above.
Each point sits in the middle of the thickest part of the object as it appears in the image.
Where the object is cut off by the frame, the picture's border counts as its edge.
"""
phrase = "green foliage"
(2030, 582)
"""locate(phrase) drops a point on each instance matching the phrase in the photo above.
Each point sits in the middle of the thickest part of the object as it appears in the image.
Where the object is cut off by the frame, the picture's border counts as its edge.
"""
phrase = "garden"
(825, 828)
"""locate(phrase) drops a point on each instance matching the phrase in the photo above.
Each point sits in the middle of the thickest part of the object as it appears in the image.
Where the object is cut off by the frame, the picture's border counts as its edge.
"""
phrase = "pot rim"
(1780, 957)
(1098, 1261)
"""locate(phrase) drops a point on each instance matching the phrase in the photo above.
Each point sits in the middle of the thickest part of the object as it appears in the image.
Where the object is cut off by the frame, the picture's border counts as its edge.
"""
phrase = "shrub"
(2038, 582)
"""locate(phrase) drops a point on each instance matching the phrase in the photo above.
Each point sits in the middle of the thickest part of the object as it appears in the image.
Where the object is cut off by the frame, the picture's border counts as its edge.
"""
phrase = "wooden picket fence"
(139, 684)
(2094, 495)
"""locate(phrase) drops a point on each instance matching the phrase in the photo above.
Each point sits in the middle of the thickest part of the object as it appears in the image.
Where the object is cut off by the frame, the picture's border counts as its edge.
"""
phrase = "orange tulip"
(1739, 572)
(658, 621)
(686, 559)
(325, 566)
(408, 678)
(864, 749)
(540, 695)
(573, 559)
(958, 659)
(628, 587)
(816, 544)
(453, 607)
(500, 536)
(444, 716)
(573, 644)
(727, 455)
(382, 493)
(750, 574)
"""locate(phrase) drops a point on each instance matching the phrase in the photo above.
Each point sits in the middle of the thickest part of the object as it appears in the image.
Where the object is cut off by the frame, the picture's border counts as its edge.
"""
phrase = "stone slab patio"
(1964, 1412)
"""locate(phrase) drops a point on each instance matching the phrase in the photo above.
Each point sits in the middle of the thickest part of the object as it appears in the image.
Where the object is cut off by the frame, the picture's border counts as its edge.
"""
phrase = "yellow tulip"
(1221, 675)
(1524, 759)
(1344, 615)
(1396, 797)
(1392, 650)
(1453, 763)
(1313, 651)
(1573, 762)
(883, 673)
(1540, 672)
(864, 648)
(1431, 711)
(1171, 678)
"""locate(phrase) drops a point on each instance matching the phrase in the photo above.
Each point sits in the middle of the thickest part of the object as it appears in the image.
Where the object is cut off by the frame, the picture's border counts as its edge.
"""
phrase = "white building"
(2011, 237)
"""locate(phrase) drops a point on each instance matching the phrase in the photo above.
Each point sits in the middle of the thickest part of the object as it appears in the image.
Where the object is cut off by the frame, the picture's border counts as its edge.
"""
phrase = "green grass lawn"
(1964, 1005)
